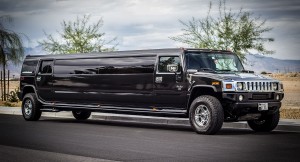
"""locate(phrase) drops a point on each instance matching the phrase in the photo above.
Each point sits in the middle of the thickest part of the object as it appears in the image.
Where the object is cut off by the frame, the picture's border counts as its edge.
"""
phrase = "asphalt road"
(54, 139)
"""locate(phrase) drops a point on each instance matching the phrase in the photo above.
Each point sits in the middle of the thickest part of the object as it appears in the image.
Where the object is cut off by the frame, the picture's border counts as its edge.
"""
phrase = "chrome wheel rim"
(28, 107)
(202, 116)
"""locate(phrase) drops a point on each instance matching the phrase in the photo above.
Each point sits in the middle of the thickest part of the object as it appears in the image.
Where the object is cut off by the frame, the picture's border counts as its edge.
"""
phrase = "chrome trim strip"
(72, 92)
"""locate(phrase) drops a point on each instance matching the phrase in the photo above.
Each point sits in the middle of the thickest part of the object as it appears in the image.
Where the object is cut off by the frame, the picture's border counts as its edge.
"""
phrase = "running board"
(50, 110)
(58, 107)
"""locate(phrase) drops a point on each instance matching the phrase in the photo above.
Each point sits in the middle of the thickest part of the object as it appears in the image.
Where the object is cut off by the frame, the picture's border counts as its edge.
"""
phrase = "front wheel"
(81, 114)
(31, 107)
(266, 123)
(206, 115)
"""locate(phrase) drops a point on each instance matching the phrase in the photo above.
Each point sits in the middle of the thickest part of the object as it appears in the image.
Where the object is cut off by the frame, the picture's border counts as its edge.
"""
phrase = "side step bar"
(66, 107)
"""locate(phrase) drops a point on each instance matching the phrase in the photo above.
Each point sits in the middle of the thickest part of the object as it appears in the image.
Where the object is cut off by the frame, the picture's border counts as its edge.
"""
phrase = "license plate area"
(262, 106)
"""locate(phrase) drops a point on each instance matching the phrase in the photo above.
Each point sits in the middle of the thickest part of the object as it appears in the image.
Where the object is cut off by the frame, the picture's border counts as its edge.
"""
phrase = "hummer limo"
(207, 86)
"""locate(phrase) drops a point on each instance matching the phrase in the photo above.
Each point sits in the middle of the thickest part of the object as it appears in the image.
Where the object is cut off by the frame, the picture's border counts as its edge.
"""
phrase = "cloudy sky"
(144, 24)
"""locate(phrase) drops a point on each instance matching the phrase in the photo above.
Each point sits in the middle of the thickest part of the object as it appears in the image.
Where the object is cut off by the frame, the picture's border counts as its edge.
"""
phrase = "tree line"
(239, 32)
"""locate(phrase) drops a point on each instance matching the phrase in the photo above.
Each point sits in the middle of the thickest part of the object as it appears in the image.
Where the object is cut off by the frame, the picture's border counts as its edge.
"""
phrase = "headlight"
(281, 86)
(239, 86)
(275, 86)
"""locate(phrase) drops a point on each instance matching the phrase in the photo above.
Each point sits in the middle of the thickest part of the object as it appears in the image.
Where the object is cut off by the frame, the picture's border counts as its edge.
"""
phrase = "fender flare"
(35, 91)
(199, 86)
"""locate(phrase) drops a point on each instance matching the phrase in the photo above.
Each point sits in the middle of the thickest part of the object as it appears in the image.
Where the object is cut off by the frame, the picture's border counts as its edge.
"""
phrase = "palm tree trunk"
(3, 59)
(8, 83)
(1, 85)
(4, 82)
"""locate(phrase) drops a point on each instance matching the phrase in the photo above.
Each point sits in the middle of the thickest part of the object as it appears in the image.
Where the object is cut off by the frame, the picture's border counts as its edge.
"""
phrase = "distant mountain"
(255, 62)
(259, 63)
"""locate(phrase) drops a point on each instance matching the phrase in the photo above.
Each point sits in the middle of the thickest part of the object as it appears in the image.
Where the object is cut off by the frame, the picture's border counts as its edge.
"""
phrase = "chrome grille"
(258, 86)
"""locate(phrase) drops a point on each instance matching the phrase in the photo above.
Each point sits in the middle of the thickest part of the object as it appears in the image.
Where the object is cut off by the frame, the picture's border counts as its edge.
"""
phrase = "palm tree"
(11, 47)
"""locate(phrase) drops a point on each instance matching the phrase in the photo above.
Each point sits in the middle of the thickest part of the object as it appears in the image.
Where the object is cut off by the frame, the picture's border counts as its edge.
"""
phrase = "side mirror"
(173, 68)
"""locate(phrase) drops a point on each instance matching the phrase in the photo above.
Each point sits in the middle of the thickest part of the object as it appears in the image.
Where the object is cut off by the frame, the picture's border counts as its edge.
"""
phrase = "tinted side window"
(28, 67)
(77, 66)
(164, 61)
(125, 65)
(46, 67)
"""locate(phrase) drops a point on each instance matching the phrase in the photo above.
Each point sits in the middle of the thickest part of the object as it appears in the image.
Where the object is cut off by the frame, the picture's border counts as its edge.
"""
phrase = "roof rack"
(205, 50)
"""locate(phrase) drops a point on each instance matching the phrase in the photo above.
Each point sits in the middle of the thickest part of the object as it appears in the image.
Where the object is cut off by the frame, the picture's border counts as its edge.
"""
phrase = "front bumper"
(249, 104)
(252, 107)
(254, 96)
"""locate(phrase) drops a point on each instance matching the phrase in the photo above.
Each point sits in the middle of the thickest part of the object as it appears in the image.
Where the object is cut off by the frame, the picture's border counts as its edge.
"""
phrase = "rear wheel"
(31, 107)
(206, 115)
(81, 114)
(266, 123)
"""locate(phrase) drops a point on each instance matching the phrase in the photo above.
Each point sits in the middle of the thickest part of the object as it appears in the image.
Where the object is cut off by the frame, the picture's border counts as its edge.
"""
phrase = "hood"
(238, 76)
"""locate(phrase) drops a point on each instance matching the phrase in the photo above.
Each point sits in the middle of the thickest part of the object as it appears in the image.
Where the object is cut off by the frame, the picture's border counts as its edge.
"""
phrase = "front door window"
(165, 62)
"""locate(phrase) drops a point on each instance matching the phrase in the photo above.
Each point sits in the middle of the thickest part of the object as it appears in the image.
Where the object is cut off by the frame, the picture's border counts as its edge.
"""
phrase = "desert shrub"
(8, 104)
(263, 72)
(13, 96)
(15, 79)
(293, 74)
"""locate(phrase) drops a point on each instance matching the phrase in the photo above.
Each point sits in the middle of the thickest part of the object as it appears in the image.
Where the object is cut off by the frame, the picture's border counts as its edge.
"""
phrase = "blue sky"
(144, 24)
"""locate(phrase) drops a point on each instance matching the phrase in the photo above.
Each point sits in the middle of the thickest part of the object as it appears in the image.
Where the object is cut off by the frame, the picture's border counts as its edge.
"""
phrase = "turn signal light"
(215, 83)
(228, 86)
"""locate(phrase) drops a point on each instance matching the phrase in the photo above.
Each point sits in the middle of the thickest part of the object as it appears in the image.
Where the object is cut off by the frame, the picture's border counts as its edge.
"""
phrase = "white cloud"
(149, 23)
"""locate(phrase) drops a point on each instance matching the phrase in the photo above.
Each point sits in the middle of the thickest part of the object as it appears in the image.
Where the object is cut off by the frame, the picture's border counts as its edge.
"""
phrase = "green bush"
(263, 72)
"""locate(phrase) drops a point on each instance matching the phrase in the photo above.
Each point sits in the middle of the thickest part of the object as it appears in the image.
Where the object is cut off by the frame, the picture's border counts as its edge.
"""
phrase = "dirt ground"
(290, 104)
(291, 94)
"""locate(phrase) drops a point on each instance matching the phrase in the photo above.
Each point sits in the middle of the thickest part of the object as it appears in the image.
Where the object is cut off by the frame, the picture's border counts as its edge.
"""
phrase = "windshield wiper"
(247, 71)
(224, 70)
(207, 69)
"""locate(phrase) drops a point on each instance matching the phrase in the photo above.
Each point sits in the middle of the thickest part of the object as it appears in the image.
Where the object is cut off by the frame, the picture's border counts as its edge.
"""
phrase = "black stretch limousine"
(207, 86)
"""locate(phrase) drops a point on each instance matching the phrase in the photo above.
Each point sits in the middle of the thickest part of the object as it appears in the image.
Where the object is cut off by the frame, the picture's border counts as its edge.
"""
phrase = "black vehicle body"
(138, 82)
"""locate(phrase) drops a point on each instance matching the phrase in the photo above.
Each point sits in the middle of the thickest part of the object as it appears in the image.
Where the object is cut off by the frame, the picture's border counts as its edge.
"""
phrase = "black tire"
(31, 107)
(81, 114)
(213, 115)
(265, 124)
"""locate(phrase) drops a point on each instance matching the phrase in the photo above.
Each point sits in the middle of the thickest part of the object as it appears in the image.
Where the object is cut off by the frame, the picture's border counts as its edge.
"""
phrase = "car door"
(169, 87)
(44, 80)
(127, 81)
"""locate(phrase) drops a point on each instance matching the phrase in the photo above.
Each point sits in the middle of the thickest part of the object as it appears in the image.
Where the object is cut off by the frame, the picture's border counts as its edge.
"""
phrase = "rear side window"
(120, 65)
(76, 66)
(46, 67)
(127, 65)
(29, 67)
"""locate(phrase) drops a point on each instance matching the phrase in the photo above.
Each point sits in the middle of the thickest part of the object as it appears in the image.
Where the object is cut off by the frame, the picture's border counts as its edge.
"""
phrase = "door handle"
(38, 78)
(158, 79)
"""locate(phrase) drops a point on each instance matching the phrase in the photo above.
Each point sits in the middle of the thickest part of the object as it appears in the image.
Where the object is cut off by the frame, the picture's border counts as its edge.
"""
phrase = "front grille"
(260, 96)
(259, 86)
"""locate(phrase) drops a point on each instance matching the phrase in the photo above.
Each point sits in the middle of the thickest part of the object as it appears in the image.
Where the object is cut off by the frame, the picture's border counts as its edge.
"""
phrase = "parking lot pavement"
(291, 125)
(67, 139)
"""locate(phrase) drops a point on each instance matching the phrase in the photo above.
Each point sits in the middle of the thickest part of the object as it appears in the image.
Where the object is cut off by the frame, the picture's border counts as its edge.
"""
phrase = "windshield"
(216, 62)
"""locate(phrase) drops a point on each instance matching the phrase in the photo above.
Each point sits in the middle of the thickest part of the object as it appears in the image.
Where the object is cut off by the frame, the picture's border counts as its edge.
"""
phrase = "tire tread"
(217, 114)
